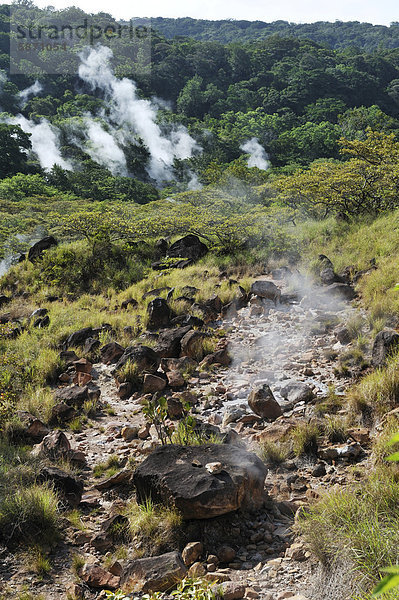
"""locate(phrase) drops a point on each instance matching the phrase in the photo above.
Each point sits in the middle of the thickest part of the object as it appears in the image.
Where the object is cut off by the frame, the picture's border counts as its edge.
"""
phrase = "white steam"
(257, 154)
(101, 145)
(136, 116)
(32, 90)
(45, 141)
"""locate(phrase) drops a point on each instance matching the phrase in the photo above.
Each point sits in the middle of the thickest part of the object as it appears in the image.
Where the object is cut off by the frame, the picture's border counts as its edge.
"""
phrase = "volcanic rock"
(171, 475)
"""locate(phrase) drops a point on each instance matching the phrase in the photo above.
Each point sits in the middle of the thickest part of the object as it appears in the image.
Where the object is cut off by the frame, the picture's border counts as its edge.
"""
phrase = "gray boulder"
(266, 289)
(385, 344)
(178, 475)
(263, 403)
(296, 391)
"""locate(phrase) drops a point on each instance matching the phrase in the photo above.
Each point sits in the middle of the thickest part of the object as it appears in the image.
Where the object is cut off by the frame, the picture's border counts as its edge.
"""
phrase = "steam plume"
(32, 90)
(257, 154)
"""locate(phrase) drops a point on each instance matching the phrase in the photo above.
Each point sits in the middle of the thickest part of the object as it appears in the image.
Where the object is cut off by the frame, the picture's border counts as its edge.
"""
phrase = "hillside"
(337, 35)
(199, 323)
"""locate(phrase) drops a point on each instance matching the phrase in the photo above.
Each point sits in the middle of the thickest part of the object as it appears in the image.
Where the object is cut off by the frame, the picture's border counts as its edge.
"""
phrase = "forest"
(198, 291)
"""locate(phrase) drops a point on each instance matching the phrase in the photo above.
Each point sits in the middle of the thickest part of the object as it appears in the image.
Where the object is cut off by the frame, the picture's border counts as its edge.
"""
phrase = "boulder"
(262, 401)
(83, 366)
(177, 475)
(155, 574)
(175, 380)
(34, 429)
(343, 335)
(111, 353)
(385, 344)
(226, 554)
(73, 396)
(125, 390)
(220, 357)
(144, 357)
(296, 391)
(37, 249)
(78, 338)
(70, 488)
(153, 383)
(98, 578)
(191, 344)
(192, 552)
(54, 446)
(159, 314)
(342, 291)
(129, 302)
(266, 289)
(169, 342)
(175, 408)
(62, 413)
(190, 247)
(231, 590)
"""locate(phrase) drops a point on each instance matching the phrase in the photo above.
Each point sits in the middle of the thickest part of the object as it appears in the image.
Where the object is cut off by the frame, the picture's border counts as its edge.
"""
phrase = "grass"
(30, 515)
(330, 404)
(153, 528)
(37, 562)
(75, 519)
(361, 522)
(78, 562)
(108, 468)
(378, 392)
(273, 453)
(335, 429)
(305, 439)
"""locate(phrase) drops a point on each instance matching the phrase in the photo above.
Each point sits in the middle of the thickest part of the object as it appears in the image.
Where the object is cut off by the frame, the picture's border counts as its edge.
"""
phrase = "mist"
(257, 154)
(136, 116)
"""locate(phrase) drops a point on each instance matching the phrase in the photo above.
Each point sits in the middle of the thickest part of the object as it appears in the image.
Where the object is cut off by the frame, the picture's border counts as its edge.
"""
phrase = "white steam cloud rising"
(257, 154)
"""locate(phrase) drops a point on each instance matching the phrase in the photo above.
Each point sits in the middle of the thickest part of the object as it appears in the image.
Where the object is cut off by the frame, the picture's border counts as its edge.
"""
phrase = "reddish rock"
(192, 552)
(263, 403)
(98, 578)
(155, 574)
(111, 353)
(175, 379)
(153, 383)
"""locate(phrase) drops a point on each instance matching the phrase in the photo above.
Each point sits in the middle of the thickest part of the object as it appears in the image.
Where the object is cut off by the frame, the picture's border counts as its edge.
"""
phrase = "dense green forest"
(334, 35)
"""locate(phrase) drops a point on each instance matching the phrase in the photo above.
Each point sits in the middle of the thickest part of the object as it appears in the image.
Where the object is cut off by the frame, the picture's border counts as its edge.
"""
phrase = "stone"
(39, 247)
(78, 338)
(155, 574)
(153, 383)
(170, 475)
(175, 380)
(54, 446)
(98, 578)
(73, 396)
(74, 590)
(69, 488)
(175, 408)
(319, 470)
(263, 403)
(62, 413)
(169, 342)
(111, 353)
(159, 314)
(192, 553)
(34, 429)
(343, 335)
(347, 452)
(328, 276)
(144, 357)
(342, 291)
(360, 435)
(4, 300)
(189, 246)
(226, 554)
(123, 477)
(196, 570)
(266, 289)
(191, 344)
(129, 432)
(68, 357)
(385, 344)
(232, 590)
(132, 302)
(296, 391)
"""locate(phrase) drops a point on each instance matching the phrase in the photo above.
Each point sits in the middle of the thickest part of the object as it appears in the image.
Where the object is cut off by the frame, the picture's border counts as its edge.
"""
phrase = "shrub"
(335, 429)
(273, 453)
(153, 528)
(30, 514)
(305, 437)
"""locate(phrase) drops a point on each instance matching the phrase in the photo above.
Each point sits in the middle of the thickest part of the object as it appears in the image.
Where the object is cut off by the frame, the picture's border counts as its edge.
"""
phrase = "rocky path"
(274, 344)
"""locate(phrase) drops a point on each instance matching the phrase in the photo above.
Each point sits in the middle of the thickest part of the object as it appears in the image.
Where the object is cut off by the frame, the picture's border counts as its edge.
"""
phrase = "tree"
(15, 145)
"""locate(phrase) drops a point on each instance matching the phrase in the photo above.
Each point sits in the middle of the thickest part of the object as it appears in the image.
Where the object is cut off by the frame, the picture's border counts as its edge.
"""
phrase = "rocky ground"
(285, 354)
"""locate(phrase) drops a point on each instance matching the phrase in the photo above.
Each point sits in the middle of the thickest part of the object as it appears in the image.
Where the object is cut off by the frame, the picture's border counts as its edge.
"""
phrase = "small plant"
(331, 404)
(152, 527)
(305, 437)
(156, 412)
(75, 519)
(273, 453)
(195, 589)
(78, 562)
(335, 429)
(130, 373)
(38, 562)
(108, 468)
